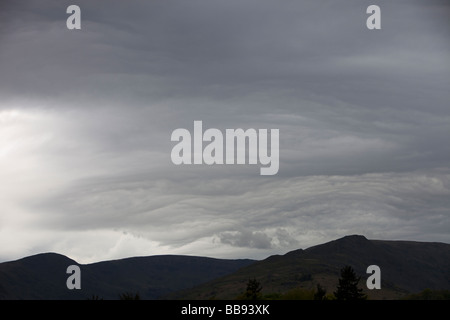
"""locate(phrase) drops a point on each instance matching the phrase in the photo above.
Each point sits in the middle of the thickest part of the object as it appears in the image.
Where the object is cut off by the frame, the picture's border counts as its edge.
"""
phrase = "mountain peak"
(354, 245)
(48, 257)
(353, 237)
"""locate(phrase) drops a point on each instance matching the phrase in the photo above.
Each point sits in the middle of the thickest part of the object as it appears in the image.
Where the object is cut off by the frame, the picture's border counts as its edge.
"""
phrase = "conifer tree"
(347, 288)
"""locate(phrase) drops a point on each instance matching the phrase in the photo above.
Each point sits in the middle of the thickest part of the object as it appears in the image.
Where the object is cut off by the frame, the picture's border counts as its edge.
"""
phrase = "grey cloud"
(258, 240)
(246, 46)
(276, 214)
(86, 118)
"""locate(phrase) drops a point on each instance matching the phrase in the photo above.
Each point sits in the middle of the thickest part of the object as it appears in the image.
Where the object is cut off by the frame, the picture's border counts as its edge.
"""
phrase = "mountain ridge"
(406, 267)
(43, 276)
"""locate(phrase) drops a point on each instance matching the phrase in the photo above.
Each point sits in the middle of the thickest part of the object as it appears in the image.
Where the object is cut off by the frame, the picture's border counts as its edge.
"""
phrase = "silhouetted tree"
(347, 288)
(253, 291)
(320, 293)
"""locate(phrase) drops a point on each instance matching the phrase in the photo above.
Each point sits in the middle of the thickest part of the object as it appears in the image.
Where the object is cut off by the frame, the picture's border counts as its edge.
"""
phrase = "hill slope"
(406, 266)
(43, 276)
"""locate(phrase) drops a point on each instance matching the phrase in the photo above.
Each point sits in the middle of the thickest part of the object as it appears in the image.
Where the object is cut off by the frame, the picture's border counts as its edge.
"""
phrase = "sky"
(86, 118)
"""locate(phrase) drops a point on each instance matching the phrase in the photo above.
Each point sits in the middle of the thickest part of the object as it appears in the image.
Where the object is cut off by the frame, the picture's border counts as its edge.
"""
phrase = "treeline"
(347, 289)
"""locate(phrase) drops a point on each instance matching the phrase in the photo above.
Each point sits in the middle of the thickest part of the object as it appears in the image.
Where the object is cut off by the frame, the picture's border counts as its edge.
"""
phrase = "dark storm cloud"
(203, 47)
(86, 118)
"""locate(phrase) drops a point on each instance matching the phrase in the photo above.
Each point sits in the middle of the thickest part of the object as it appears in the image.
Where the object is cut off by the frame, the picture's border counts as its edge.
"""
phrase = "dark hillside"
(406, 267)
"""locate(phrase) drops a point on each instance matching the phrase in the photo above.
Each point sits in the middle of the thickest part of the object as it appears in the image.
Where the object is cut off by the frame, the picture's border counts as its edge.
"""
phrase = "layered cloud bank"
(86, 118)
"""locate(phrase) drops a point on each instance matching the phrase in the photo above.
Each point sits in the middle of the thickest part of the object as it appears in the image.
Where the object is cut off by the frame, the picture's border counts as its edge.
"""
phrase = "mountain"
(406, 267)
(43, 276)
